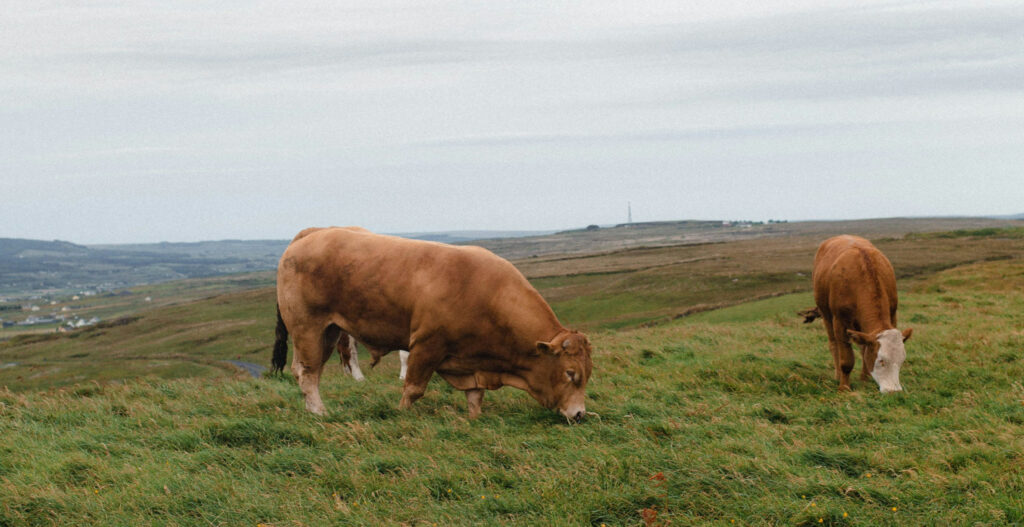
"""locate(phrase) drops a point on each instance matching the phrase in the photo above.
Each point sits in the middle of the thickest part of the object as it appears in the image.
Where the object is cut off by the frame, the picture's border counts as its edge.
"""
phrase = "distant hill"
(690, 232)
(15, 247)
(34, 266)
(265, 251)
(457, 237)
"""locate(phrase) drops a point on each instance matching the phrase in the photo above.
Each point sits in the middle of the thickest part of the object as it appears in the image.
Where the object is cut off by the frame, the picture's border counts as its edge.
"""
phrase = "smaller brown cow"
(855, 293)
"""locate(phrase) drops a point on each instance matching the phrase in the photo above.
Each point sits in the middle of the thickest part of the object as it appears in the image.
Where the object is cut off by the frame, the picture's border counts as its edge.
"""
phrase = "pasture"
(723, 417)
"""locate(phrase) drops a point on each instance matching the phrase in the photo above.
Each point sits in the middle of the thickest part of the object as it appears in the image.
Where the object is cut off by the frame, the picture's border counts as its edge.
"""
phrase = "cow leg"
(352, 365)
(845, 354)
(473, 399)
(345, 353)
(312, 348)
(423, 361)
(832, 347)
(404, 357)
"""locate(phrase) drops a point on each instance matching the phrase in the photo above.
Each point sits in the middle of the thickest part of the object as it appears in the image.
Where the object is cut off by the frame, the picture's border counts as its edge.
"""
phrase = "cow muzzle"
(574, 414)
(887, 382)
(888, 379)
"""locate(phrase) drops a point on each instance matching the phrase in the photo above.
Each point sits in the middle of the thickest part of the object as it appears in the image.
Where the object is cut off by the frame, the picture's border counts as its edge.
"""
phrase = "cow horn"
(566, 343)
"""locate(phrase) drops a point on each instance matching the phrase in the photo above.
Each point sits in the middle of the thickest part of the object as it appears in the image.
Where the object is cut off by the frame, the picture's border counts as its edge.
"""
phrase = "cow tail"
(809, 314)
(280, 344)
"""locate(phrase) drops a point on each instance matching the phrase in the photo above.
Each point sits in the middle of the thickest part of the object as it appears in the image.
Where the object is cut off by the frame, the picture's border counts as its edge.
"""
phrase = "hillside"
(16, 248)
(38, 268)
(726, 418)
(672, 233)
(32, 267)
(190, 328)
(651, 285)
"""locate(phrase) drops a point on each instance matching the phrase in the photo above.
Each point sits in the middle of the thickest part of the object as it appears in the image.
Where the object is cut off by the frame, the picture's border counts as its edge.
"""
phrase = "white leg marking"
(353, 360)
(309, 383)
(404, 356)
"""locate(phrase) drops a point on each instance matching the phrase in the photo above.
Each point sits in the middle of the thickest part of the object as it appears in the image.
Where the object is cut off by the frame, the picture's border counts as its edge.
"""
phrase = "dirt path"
(253, 369)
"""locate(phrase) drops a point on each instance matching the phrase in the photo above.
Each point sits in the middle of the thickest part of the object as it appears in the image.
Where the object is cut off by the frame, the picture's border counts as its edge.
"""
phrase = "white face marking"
(891, 355)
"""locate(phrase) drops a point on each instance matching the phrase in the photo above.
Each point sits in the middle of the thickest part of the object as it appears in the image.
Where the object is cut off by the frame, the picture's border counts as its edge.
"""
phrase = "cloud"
(384, 102)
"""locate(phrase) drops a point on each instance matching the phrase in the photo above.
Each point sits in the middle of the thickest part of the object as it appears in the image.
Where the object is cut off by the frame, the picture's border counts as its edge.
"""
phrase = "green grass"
(189, 339)
(641, 286)
(781, 307)
(132, 301)
(721, 418)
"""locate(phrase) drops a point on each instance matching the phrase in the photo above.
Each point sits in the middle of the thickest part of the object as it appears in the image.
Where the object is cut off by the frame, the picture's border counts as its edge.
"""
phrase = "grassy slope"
(655, 284)
(109, 307)
(179, 337)
(735, 410)
(181, 340)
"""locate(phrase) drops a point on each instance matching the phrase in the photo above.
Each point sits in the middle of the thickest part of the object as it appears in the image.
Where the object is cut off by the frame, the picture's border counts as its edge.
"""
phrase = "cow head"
(561, 380)
(886, 353)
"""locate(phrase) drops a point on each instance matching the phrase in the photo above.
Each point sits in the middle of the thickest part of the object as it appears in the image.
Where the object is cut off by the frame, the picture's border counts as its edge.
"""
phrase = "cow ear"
(861, 338)
(907, 333)
(545, 347)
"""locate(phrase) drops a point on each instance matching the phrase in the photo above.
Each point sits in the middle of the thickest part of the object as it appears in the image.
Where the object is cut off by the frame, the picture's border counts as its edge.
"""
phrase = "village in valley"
(58, 313)
(38, 312)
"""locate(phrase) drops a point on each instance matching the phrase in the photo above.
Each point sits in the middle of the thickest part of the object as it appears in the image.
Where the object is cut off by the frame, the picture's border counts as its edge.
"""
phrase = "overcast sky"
(156, 121)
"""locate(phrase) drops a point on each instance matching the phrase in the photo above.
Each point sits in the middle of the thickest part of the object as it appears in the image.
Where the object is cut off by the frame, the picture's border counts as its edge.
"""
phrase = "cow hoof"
(845, 389)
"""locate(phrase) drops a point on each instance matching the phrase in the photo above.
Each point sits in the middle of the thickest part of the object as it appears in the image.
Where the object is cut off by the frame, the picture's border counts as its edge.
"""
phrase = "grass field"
(725, 417)
(651, 285)
(131, 301)
(191, 327)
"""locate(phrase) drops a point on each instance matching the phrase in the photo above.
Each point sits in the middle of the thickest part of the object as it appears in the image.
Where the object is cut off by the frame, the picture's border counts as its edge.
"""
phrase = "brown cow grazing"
(855, 293)
(462, 312)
